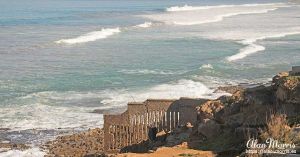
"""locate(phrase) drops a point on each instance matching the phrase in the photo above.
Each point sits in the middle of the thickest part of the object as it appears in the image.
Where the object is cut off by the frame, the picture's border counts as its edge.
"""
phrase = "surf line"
(252, 46)
(103, 33)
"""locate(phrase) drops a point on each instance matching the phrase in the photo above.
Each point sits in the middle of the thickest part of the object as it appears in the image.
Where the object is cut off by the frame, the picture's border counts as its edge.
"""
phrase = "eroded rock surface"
(89, 143)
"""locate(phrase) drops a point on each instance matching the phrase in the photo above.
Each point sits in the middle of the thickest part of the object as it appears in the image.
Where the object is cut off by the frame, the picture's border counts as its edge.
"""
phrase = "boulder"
(176, 139)
(209, 128)
(180, 135)
(260, 95)
(288, 89)
(231, 89)
(235, 120)
(246, 132)
(208, 109)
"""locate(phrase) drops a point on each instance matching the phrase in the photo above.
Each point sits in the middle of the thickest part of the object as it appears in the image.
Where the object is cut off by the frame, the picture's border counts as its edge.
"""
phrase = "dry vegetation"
(278, 128)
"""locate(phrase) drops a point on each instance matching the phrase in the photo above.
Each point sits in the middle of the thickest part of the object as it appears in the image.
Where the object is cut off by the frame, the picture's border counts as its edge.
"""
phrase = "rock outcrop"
(209, 128)
(209, 109)
(10, 146)
(82, 144)
(247, 113)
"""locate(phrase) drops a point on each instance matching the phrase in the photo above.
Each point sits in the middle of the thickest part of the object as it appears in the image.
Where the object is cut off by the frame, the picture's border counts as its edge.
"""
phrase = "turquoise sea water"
(57, 64)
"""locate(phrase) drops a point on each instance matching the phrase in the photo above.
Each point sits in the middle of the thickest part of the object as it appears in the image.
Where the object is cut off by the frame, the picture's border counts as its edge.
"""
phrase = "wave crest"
(244, 52)
(195, 15)
(183, 8)
(173, 90)
(192, 8)
(206, 66)
(92, 36)
(144, 25)
(252, 47)
(32, 152)
(147, 71)
(221, 17)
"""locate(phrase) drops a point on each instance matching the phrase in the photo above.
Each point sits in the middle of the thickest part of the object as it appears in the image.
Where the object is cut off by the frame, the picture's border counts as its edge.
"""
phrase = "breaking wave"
(96, 35)
(42, 116)
(144, 25)
(191, 8)
(206, 66)
(248, 50)
(154, 72)
(247, 30)
(218, 18)
(252, 46)
(32, 152)
(92, 36)
(73, 109)
(190, 15)
(174, 90)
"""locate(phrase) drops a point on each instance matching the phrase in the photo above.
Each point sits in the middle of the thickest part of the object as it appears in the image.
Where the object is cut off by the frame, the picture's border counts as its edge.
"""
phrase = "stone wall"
(131, 127)
(295, 71)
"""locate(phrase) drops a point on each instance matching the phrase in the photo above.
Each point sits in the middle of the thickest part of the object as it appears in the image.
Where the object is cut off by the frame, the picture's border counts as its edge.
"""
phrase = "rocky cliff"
(225, 125)
(262, 111)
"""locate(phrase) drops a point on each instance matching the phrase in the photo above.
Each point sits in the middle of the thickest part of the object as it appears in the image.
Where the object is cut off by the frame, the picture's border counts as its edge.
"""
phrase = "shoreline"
(91, 142)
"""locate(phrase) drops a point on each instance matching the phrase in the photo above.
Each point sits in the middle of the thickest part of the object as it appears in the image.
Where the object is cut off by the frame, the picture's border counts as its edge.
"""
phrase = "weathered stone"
(231, 89)
(260, 95)
(246, 132)
(8, 145)
(208, 109)
(88, 143)
(235, 120)
(209, 128)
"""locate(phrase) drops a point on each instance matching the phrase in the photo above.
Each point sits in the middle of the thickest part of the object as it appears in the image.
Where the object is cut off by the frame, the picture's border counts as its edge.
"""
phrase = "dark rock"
(246, 132)
(231, 89)
(209, 128)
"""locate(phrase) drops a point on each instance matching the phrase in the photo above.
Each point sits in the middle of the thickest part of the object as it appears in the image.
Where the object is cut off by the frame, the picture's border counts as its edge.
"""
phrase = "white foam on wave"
(96, 35)
(221, 17)
(144, 25)
(206, 66)
(182, 8)
(61, 96)
(215, 82)
(191, 8)
(32, 152)
(153, 72)
(252, 46)
(52, 110)
(39, 115)
(189, 15)
(92, 36)
(246, 30)
(175, 90)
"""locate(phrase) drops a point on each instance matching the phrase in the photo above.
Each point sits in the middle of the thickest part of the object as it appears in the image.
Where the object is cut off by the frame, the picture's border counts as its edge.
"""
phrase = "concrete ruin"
(131, 127)
(295, 71)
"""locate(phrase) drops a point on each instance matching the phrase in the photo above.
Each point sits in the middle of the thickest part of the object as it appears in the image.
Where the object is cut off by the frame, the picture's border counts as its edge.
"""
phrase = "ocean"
(60, 60)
